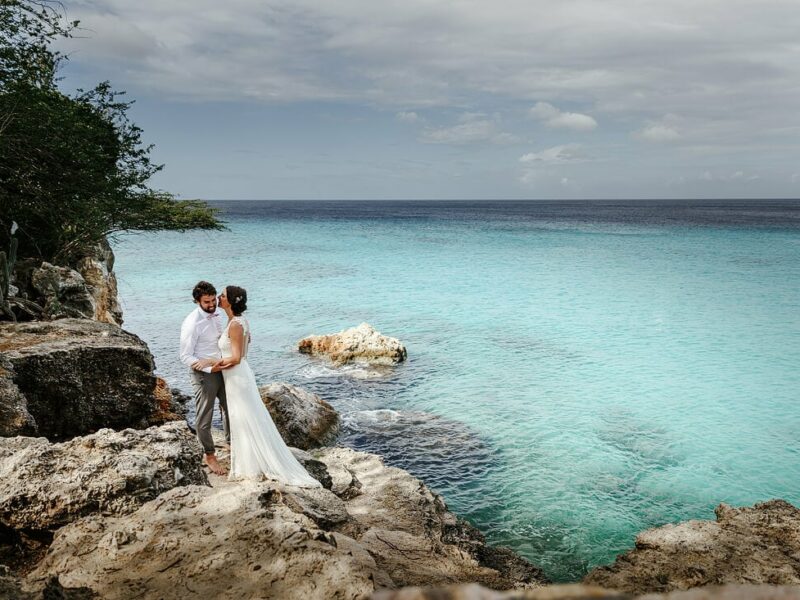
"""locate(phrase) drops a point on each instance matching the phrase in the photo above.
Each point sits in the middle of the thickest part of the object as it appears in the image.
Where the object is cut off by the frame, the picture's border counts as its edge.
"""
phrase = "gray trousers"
(207, 387)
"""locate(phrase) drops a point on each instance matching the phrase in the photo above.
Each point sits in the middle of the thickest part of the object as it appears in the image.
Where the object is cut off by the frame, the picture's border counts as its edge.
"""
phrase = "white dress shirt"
(200, 335)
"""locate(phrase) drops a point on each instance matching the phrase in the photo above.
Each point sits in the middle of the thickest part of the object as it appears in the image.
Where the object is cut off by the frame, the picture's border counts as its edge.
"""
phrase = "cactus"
(7, 262)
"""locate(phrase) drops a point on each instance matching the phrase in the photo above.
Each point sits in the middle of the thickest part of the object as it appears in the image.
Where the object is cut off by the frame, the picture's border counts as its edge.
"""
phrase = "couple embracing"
(214, 345)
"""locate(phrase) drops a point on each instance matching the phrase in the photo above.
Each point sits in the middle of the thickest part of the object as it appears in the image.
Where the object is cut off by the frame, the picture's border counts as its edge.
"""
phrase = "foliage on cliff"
(73, 168)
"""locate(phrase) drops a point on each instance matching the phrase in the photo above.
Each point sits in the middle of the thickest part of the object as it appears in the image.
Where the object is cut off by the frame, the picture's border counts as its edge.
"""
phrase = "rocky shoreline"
(103, 495)
(132, 513)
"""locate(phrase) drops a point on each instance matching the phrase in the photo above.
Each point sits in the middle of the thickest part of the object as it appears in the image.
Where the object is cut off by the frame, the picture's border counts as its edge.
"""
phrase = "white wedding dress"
(257, 449)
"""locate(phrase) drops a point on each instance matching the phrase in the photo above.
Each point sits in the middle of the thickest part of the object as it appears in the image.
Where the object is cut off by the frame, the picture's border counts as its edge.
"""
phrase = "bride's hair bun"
(237, 298)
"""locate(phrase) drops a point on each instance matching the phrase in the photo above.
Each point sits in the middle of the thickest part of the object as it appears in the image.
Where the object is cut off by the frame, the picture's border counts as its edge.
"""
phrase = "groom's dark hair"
(203, 288)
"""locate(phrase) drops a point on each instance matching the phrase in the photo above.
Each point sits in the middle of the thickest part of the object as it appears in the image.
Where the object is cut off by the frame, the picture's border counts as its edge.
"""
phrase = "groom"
(200, 333)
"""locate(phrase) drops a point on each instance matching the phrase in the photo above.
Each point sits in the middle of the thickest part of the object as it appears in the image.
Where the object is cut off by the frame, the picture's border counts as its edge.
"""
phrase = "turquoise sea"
(578, 371)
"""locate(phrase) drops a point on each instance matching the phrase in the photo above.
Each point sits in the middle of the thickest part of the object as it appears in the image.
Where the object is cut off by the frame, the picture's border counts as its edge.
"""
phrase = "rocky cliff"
(86, 289)
(69, 377)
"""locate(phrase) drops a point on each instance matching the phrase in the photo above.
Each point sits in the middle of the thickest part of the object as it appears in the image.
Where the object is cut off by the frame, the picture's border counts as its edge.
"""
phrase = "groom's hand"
(202, 364)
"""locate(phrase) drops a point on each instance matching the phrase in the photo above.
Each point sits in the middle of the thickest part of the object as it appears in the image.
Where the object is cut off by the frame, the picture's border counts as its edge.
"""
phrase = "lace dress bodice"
(225, 341)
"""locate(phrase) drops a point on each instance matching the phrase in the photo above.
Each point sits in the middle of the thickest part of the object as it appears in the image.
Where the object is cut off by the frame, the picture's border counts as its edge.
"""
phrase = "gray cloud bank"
(710, 76)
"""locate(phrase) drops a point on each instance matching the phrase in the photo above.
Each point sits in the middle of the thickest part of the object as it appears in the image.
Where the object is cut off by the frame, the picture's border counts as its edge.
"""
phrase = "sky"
(455, 99)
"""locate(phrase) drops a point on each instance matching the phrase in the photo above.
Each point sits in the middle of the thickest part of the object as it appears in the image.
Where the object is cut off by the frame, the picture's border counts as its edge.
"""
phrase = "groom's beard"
(209, 310)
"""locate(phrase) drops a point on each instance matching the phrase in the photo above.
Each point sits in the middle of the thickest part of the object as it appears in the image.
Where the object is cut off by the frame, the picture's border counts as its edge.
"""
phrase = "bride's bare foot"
(213, 464)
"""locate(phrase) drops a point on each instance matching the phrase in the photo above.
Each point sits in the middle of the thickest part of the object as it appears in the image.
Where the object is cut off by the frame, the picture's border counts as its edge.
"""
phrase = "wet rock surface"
(430, 447)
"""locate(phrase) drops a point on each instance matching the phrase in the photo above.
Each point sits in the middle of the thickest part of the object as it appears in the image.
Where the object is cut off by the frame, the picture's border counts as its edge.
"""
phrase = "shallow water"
(577, 371)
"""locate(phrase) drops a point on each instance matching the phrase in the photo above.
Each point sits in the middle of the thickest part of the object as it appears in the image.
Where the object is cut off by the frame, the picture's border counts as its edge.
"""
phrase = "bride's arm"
(236, 334)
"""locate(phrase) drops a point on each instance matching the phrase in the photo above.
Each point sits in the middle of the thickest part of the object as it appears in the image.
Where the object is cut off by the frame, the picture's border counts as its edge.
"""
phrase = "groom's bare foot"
(213, 464)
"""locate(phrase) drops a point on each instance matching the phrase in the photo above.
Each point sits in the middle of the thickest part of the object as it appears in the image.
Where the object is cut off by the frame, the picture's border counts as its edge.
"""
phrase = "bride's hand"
(219, 366)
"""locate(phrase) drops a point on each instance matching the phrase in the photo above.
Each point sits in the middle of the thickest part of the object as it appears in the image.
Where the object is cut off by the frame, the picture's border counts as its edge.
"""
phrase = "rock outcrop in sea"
(357, 344)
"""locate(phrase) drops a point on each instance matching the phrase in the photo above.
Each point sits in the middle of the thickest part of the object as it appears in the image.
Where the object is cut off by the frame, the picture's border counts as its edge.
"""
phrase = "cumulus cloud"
(553, 117)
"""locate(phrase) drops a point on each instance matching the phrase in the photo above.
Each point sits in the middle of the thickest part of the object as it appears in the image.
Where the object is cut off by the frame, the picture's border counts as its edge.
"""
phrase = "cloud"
(623, 63)
(407, 117)
(618, 56)
(567, 153)
(736, 176)
(658, 133)
(552, 117)
(472, 128)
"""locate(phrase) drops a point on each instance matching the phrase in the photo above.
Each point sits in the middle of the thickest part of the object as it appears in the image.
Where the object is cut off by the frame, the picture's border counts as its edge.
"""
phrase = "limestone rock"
(263, 539)
(303, 419)
(65, 292)
(236, 540)
(360, 344)
(97, 270)
(11, 589)
(584, 592)
(76, 376)
(759, 544)
(44, 485)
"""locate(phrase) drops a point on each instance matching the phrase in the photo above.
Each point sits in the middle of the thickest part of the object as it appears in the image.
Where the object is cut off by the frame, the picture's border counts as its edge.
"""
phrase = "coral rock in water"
(359, 344)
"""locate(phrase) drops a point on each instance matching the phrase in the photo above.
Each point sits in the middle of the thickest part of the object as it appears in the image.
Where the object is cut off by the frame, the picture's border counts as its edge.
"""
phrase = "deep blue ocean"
(577, 371)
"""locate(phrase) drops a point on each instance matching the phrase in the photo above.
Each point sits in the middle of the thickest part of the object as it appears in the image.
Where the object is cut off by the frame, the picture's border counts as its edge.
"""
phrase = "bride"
(257, 449)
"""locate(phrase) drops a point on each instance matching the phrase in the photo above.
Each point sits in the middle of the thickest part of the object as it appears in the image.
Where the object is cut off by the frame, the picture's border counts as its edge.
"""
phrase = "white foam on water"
(378, 415)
